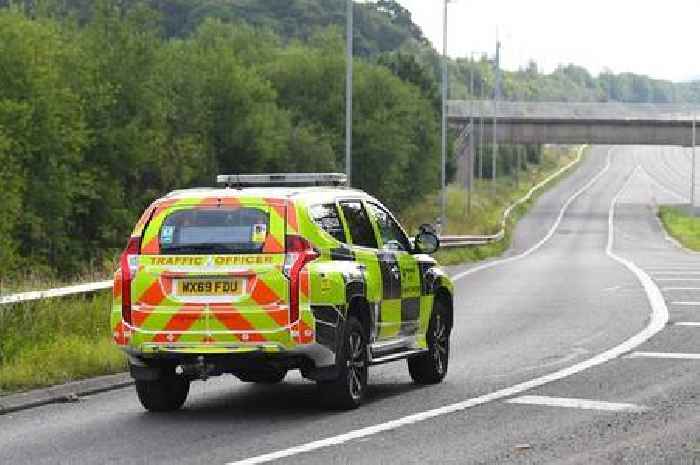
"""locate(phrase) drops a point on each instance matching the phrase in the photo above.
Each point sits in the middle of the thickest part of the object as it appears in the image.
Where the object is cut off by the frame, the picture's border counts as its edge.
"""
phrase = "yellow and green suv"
(273, 273)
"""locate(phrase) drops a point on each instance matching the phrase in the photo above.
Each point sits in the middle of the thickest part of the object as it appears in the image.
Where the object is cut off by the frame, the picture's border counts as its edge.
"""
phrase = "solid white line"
(669, 355)
(681, 289)
(657, 322)
(577, 403)
(687, 323)
(657, 273)
(686, 304)
(677, 279)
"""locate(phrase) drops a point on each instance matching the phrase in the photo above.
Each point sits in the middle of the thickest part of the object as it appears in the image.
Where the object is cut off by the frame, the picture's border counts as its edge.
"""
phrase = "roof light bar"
(282, 179)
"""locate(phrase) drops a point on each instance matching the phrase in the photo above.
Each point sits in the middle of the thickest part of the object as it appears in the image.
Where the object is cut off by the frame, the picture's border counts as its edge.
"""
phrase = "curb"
(69, 392)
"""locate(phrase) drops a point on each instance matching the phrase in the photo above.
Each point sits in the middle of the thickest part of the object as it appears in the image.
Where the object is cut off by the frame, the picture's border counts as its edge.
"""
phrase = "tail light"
(127, 267)
(299, 253)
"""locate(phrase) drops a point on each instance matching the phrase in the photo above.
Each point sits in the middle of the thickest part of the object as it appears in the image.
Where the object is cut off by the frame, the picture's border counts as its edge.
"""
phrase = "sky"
(651, 37)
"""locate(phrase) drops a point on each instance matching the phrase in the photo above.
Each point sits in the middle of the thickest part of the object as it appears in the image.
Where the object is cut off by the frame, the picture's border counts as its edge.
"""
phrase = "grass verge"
(53, 341)
(489, 201)
(681, 226)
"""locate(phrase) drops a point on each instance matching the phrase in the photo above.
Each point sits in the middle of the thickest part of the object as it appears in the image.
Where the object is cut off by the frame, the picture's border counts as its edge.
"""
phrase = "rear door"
(211, 273)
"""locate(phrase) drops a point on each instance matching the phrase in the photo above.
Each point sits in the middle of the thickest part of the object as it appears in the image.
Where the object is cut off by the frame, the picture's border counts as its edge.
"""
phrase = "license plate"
(210, 287)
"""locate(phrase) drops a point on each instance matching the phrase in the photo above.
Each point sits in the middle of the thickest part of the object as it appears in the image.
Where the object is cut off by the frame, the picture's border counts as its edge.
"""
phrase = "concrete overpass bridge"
(569, 123)
(578, 123)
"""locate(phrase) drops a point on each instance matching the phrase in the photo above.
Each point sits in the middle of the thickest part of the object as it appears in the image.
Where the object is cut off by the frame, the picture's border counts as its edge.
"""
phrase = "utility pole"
(482, 97)
(348, 92)
(496, 96)
(692, 170)
(443, 159)
(470, 175)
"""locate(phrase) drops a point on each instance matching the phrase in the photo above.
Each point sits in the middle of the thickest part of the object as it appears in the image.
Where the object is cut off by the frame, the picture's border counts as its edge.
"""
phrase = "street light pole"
(470, 175)
(496, 95)
(348, 93)
(443, 159)
(692, 170)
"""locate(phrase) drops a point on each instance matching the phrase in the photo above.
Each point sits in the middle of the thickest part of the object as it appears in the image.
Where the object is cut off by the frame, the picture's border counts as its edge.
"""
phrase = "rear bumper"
(315, 361)
(318, 354)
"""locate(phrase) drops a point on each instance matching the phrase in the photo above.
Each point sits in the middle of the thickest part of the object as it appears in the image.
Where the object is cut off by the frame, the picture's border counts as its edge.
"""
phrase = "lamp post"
(470, 175)
(496, 96)
(348, 93)
(692, 169)
(443, 158)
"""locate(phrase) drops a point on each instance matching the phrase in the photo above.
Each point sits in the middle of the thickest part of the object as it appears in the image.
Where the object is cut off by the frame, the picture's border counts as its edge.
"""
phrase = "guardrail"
(58, 292)
(445, 241)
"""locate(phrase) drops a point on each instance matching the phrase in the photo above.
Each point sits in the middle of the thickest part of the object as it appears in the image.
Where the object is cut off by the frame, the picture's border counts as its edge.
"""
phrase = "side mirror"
(426, 242)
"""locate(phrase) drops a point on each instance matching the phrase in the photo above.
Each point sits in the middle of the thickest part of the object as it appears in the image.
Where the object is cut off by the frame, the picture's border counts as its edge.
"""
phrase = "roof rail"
(282, 180)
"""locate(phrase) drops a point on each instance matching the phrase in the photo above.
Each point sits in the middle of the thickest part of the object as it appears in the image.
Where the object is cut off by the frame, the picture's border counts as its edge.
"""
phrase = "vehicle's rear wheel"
(348, 390)
(271, 376)
(431, 367)
(165, 394)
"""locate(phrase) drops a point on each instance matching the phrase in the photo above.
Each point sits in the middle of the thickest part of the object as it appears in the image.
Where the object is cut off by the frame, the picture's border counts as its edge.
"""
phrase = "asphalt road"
(563, 319)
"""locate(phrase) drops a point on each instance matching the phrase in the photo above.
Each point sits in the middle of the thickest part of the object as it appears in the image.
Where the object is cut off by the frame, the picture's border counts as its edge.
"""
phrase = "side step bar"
(396, 356)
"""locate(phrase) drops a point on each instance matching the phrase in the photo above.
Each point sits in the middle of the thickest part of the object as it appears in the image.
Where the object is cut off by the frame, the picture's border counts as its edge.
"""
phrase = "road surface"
(560, 354)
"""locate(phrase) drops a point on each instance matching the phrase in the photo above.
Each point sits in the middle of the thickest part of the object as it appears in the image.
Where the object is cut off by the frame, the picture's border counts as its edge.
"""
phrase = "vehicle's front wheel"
(348, 390)
(165, 394)
(431, 367)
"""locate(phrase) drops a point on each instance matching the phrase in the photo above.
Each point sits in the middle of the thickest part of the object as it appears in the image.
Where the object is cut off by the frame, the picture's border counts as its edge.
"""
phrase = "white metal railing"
(445, 241)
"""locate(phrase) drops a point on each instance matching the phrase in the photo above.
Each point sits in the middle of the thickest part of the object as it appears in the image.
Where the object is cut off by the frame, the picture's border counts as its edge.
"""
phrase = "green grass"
(54, 341)
(489, 201)
(681, 226)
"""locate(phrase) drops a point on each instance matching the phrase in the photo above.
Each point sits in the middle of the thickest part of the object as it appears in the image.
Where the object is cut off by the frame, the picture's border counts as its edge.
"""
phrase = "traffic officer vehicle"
(272, 273)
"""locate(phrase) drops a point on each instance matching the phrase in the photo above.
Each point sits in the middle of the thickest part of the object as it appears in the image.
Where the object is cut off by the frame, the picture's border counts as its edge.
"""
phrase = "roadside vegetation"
(681, 226)
(107, 104)
(489, 201)
(54, 341)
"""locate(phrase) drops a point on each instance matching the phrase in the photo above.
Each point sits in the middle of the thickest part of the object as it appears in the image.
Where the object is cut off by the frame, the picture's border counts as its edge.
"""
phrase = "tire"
(431, 367)
(166, 394)
(263, 377)
(348, 391)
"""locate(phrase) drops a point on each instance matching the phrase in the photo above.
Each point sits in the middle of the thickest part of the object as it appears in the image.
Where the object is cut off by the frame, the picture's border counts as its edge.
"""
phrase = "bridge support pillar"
(465, 162)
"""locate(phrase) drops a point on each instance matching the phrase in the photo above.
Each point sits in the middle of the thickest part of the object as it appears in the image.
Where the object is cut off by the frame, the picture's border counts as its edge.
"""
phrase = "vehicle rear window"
(215, 231)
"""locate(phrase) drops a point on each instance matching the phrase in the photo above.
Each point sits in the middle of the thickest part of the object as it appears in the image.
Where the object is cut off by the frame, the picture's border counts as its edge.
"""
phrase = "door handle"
(396, 272)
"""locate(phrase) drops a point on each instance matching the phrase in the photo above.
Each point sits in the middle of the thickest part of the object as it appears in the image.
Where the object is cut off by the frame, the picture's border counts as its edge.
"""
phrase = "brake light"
(133, 248)
(299, 253)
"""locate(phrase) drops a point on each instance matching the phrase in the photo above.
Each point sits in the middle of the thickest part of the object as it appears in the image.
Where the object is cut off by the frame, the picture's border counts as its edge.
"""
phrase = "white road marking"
(584, 404)
(681, 289)
(658, 319)
(669, 355)
(665, 280)
(687, 323)
(658, 273)
(686, 304)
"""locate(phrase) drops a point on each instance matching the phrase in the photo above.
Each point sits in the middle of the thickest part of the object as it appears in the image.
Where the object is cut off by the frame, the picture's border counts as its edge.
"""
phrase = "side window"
(392, 235)
(358, 224)
(326, 216)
